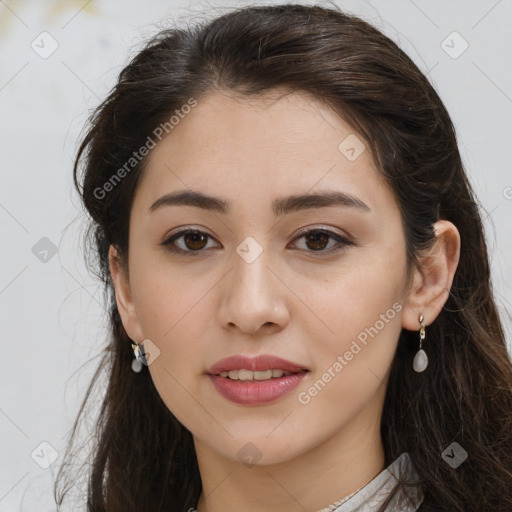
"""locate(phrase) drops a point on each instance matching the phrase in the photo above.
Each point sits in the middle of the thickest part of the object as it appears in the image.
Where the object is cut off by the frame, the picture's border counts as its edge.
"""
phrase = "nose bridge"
(253, 296)
(251, 270)
(251, 275)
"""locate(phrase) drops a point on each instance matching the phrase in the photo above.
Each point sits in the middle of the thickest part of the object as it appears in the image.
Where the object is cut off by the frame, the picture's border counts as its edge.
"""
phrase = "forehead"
(256, 148)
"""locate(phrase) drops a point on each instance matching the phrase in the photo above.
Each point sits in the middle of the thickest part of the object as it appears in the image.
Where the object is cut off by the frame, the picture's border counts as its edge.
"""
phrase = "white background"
(52, 319)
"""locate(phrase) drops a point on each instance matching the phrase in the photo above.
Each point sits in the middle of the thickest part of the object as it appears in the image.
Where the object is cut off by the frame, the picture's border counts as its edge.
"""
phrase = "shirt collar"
(375, 493)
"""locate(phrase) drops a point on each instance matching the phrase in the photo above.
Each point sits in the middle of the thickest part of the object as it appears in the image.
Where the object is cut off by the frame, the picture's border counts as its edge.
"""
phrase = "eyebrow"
(280, 206)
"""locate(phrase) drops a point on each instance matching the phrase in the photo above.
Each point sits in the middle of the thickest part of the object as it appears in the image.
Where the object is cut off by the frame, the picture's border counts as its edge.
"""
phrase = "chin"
(261, 451)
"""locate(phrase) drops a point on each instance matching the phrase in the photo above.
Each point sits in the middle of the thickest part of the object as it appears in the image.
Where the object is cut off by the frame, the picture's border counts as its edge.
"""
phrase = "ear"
(431, 285)
(125, 305)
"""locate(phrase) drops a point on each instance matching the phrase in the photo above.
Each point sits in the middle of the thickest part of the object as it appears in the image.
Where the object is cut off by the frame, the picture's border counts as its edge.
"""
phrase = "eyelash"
(340, 239)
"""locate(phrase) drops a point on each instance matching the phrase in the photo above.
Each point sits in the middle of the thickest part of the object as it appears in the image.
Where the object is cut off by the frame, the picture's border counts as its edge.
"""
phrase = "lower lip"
(256, 392)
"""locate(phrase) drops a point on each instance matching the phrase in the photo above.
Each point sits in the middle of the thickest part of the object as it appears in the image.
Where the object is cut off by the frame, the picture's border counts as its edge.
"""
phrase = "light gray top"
(372, 495)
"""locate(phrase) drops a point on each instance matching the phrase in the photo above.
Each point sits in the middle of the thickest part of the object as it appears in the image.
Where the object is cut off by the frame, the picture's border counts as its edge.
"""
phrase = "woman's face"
(252, 283)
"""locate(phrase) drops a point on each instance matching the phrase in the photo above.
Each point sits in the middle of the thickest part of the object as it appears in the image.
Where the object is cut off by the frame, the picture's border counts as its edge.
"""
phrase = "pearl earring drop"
(420, 362)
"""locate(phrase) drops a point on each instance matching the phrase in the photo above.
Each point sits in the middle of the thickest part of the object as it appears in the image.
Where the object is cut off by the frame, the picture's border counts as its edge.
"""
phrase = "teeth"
(258, 375)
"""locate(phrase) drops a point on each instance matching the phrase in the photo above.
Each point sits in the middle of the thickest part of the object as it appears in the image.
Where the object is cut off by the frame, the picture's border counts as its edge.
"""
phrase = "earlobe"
(432, 283)
(123, 296)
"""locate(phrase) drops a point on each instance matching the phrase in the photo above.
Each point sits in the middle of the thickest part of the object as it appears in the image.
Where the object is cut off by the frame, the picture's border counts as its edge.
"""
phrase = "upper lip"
(260, 363)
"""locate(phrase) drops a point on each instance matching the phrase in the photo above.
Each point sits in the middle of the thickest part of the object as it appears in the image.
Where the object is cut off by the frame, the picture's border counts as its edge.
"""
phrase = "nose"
(253, 297)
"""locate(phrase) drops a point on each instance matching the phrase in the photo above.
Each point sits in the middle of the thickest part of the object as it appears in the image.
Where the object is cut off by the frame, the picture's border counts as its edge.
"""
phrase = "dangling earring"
(139, 359)
(420, 359)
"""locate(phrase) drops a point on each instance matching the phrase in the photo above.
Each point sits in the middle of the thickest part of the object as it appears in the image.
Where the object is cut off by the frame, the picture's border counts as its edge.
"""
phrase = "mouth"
(256, 387)
(260, 368)
(261, 375)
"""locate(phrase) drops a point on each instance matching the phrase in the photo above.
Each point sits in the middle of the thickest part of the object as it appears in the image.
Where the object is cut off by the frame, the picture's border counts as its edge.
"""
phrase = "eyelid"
(320, 227)
(186, 228)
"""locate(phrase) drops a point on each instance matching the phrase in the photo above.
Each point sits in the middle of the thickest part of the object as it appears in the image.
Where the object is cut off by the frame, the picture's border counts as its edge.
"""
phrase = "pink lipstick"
(255, 381)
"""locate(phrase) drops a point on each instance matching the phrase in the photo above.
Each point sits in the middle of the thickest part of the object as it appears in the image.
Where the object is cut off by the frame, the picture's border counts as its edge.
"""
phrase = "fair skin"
(294, 301)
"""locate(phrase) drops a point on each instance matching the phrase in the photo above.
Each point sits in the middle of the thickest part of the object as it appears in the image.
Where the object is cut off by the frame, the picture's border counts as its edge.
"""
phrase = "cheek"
(173, 310)
(355, 351)
(354, 295)
(165, 296)
(356, 316)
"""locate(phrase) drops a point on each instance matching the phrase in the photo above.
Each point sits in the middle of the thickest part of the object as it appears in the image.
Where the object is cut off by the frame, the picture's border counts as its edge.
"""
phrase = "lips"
(259, 363)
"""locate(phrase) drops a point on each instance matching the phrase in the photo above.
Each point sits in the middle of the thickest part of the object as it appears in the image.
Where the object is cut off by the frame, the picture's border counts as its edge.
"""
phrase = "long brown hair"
(143, 458)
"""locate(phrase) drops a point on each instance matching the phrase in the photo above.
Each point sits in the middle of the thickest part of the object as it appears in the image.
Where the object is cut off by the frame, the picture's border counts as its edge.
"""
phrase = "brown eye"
(195, 240)
(317, 240)
(192, 242)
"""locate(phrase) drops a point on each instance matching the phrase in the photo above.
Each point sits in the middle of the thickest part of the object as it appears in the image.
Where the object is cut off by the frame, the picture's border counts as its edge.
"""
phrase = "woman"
(300, 300)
